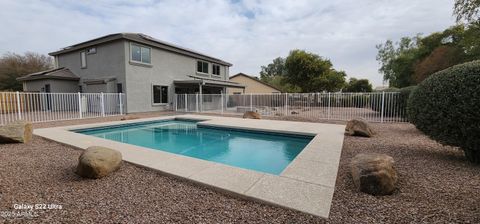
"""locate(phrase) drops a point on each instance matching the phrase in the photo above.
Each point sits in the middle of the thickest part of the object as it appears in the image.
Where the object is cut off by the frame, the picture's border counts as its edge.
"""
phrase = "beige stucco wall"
(252, 86)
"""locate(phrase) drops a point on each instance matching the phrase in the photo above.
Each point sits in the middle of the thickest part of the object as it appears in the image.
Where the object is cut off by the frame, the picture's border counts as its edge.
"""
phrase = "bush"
(446, 107)
(394, 106)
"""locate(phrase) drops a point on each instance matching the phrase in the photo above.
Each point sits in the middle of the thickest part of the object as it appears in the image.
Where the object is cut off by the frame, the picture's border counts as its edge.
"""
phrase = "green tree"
(14, 65)
(312, 73)
(276, 68)
(468, 10)
(358, 85)
(413, 59)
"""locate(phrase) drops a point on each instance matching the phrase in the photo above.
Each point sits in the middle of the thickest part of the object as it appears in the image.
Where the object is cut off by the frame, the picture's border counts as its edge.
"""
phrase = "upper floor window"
(140, 54)
(83, 59)
(216, 69)
(202, 67)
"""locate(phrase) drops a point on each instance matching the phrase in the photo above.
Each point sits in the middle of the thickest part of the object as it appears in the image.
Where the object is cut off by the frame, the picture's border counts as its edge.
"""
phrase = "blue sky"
(248, 33)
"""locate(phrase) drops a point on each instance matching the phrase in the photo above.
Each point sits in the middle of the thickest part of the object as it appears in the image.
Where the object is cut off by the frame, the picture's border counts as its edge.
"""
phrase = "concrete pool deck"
(306, 185)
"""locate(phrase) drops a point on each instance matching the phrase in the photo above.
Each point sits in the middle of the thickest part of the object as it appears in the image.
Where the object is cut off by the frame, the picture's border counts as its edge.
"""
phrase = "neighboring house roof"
(143, 39)
(255, 79)
(56, 73)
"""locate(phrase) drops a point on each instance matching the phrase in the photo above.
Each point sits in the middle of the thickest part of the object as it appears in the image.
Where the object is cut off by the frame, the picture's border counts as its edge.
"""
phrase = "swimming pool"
(260, 151)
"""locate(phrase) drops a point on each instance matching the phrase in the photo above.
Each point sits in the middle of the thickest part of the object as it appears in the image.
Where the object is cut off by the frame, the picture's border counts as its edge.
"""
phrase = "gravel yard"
(436, 185)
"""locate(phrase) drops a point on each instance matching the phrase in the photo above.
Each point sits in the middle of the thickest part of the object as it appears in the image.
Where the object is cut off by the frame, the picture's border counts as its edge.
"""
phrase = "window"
(140, 54)
(160, 94)
(92, 50)
(83, 59)
(216, 69)
(202, 67)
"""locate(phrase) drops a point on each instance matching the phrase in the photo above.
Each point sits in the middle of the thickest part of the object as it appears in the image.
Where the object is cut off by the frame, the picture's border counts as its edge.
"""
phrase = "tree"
(312, 73)
(412, 59)
(358, 85)
(468, 10)
(14, 65)
(276, 68)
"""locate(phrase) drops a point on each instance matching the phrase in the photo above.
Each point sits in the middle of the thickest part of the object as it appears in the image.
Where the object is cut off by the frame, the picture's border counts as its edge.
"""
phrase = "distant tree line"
(303, 71)
(410, 60)
(14, 65)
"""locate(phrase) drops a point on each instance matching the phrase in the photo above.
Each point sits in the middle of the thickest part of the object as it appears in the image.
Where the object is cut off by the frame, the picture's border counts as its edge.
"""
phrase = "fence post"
(329, 105)
(251, 103)
(196, 102)
(102, 101)
(186, 105)
(383, 105)
(80, 105)
(221, 98)
(286, 104)
(121, 103)
(19, 107)
(176, 102)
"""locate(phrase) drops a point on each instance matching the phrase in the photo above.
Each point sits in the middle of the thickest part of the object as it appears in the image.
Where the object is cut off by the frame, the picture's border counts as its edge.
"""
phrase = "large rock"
(251, 115)
(98, 162)
(16, 132)
(359, 127)
(374, 173)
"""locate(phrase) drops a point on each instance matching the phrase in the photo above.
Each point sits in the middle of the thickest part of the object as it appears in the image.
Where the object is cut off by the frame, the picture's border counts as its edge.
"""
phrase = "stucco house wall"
(107, 62)
(56, 86)
(165, 67)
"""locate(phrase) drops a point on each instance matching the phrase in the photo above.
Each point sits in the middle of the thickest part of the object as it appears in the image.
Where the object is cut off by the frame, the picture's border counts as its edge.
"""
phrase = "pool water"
(259, 151)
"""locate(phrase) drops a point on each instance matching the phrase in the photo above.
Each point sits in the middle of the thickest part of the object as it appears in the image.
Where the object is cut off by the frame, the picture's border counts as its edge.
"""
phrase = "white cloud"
(248, 33)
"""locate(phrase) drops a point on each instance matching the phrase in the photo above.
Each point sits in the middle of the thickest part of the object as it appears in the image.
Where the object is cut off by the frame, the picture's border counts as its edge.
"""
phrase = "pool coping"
(307, 184)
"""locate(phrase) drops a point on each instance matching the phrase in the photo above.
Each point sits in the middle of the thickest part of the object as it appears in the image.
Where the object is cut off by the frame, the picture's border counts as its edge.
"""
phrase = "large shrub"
(446, 107)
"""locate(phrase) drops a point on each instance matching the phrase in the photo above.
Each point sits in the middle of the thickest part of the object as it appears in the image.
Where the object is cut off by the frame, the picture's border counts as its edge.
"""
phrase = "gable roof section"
(143, 39)
(257, 80)
(56, 73)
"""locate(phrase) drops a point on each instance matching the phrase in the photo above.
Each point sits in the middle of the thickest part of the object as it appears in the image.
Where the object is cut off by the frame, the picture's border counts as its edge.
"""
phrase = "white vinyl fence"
(42, 107)
(374, 107)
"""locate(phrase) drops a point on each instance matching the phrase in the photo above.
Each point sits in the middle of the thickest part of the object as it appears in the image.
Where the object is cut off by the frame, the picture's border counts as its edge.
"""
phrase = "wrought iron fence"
(42, 107)
(374, 107)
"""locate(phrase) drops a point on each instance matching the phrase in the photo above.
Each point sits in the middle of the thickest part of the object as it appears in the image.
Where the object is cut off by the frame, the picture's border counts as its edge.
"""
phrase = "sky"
(248, 33)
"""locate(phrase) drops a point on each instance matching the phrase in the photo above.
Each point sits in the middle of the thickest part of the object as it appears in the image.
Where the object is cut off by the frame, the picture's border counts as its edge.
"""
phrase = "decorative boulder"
(359, 127)
(16, 132)
(97, 162)
(374, 173)
(251, 115)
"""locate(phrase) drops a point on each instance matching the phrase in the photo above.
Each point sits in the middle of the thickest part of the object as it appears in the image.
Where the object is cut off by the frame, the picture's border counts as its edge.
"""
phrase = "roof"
(209, 81)
(143, 39)
(255, 79)
(56, 73)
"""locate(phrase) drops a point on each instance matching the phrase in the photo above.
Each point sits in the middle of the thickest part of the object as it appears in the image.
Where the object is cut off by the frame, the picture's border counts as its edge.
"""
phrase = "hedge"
(446, 107)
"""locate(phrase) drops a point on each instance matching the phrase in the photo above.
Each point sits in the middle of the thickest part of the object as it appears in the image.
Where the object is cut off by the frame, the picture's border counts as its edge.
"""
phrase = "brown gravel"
(436, 185)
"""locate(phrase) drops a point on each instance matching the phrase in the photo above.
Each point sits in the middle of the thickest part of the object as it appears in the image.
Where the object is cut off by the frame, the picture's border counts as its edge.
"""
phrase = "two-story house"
(147, 70)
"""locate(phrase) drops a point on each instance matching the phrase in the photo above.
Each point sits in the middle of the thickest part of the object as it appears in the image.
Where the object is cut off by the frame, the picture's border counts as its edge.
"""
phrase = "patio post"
(196, 102)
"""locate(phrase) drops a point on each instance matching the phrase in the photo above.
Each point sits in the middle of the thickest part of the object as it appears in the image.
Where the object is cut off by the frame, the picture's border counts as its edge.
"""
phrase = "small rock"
(97, 162)
(359, 127)
(374, 173)
(294, 112)
(251, 115)
(125, 118)
(16, 132)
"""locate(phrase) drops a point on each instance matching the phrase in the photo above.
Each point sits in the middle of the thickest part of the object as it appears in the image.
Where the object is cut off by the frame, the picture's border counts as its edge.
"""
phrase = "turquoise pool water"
(259, 151)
